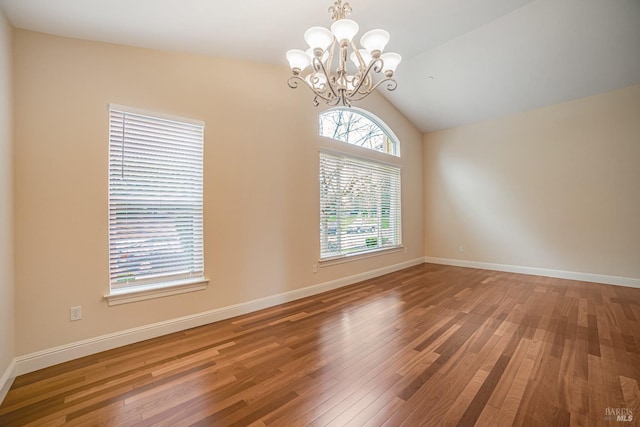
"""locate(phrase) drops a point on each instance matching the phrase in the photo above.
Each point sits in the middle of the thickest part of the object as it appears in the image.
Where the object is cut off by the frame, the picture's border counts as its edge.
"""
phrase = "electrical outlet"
(75, 313)
(460, 248)
(314, 268)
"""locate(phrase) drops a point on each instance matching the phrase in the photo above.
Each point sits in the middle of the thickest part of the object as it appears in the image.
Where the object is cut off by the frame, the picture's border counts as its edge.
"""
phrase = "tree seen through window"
(354, 128)
(360, 206)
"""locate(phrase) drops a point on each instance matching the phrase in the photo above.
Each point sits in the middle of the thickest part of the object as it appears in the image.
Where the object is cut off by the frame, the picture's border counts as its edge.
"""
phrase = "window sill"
(142, 293)
(363, 255)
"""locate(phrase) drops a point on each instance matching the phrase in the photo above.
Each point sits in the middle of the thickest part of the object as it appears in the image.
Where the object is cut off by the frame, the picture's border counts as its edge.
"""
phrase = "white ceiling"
(464, 60)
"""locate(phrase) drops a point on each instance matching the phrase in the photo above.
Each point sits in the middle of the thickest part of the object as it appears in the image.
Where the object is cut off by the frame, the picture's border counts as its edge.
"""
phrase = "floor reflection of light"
(358, 344)
(362, 327)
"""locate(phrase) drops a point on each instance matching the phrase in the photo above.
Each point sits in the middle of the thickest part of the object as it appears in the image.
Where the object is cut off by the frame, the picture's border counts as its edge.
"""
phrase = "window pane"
(359, 206)
(155, 199)
(354, 128)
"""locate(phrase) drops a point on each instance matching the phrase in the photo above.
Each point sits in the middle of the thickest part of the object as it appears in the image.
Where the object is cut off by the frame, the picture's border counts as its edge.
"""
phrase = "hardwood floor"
(429, 345)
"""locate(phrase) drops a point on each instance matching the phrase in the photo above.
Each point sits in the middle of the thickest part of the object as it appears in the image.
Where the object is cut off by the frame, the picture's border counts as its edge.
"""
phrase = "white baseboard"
(561, 274)
(6, 380)
(64, 353)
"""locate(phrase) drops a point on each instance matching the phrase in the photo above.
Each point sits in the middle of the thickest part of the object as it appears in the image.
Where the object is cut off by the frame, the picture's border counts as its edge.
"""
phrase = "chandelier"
(346, 81)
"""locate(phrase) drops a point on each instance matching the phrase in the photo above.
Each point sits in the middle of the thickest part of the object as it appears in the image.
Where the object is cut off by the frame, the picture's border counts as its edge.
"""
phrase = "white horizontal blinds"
(155, 199)
(359, 205)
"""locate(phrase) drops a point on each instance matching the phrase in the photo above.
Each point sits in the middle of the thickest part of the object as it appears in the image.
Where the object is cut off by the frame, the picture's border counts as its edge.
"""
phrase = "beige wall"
(6, 198)
(551, 188)
(556, 188)
(261, 185)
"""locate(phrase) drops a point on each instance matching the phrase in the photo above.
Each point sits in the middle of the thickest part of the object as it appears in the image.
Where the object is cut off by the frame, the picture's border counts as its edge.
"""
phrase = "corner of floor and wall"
(548, 192)
(551, 192)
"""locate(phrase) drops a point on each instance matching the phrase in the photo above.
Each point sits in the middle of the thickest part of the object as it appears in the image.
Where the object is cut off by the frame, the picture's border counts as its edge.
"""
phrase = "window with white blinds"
(360, 208)
(155, 199)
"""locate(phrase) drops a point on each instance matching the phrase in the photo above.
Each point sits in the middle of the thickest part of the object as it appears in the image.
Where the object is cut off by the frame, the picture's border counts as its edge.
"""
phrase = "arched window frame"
(390, 137)
(353, 226)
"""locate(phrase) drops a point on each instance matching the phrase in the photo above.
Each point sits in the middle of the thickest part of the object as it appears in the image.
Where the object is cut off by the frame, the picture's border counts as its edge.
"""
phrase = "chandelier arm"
(362, 71)
(375, 65)
(292, 82)
(331, 49)
(330, 100)
(318, 66)
(361, 64)
(366, 84)
(362, 96)
(391, 86)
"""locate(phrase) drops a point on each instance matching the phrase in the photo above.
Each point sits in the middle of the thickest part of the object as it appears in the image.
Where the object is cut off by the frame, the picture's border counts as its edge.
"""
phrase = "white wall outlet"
(461, 248)
(75, 313)
(314, 268)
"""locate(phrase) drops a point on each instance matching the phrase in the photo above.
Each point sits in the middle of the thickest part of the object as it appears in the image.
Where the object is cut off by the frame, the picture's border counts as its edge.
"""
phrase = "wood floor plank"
(427, 345)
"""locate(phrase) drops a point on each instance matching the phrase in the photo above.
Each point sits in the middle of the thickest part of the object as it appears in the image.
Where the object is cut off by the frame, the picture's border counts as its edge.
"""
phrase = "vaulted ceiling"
(463, 60)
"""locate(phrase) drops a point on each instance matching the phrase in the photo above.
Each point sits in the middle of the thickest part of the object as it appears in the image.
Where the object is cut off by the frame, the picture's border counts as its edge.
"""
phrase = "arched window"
(357, 127)
(360, 197)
